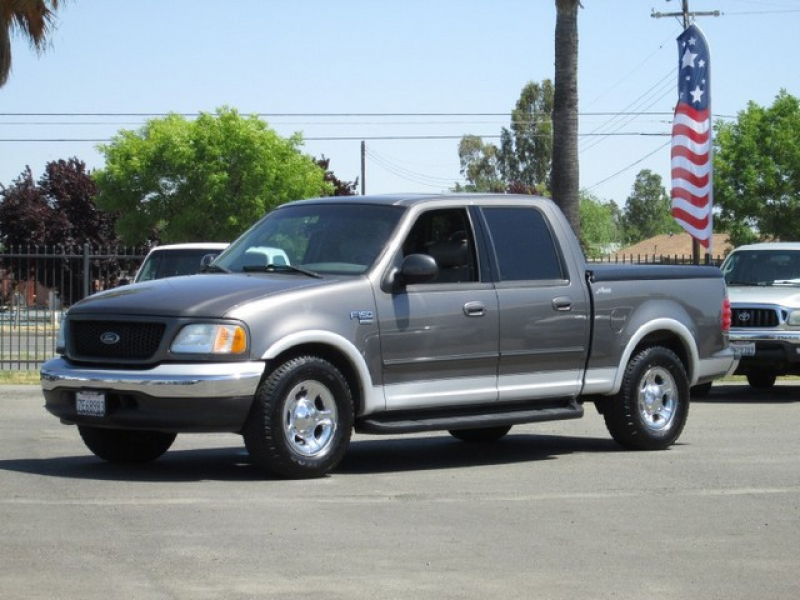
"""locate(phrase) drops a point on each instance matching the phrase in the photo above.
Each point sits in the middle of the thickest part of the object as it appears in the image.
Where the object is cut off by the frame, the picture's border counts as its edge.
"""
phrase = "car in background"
(764, 289)
(171, 260)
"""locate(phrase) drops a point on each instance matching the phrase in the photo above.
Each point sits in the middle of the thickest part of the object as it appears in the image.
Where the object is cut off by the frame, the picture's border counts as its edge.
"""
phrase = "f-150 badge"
(364, 316)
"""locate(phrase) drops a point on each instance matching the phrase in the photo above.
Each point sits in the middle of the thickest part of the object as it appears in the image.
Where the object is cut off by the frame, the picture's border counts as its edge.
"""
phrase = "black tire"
(302, 419)
(125, 445)
(651, 408)
(481, 435)
(761, 380)
(701, 391)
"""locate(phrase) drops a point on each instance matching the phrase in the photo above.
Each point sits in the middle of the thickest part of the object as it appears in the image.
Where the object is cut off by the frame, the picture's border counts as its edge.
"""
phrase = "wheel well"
(669, 340)
(333, 356)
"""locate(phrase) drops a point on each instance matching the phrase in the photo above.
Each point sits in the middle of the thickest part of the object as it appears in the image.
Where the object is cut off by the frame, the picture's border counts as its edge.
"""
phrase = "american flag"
(691, 138)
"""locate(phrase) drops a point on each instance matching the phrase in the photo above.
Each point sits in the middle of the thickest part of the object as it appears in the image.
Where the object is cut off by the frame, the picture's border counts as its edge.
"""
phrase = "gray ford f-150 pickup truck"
(386, 315)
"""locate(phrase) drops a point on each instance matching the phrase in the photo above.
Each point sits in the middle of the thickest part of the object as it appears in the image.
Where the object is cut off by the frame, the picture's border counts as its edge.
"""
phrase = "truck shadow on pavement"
(365, 456)
(744, 394)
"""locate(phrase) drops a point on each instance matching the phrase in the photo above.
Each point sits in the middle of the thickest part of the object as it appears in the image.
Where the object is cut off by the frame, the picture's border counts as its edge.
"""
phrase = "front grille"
(131, 340)
(754, 317)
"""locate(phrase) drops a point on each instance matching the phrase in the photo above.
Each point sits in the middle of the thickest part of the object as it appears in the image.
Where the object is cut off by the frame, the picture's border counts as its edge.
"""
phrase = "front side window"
(446, 235)
(523, 244)
(325, 238)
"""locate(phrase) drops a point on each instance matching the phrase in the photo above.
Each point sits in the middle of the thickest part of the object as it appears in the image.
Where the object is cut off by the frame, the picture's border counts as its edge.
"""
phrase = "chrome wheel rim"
(310, 419)
(657, 399)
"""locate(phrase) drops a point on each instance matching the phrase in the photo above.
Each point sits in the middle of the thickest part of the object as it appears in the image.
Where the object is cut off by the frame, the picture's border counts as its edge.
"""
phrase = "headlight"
(794, 318)
(210, 338)
(61, 340)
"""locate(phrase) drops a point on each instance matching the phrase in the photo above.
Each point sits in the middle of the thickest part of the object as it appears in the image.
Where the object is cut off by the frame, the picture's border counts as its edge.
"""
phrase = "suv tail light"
(726, 314)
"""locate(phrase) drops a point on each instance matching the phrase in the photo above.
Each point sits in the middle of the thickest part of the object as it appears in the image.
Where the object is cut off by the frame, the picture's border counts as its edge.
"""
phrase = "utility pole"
(363, 167)
(686, 14)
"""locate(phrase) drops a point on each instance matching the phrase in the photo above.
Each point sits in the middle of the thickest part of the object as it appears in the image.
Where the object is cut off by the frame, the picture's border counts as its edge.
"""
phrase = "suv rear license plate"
(90, 404)
(743, 349)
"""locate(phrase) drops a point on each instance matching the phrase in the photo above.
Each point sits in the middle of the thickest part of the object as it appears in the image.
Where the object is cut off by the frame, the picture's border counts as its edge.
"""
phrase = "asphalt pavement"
(554, 510)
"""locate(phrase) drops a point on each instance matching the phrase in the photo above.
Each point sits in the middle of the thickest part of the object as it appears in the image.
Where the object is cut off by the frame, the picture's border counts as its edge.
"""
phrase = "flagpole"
(686, 15)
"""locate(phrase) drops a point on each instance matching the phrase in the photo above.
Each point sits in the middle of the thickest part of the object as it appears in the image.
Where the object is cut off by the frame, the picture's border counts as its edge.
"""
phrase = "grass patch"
(19, 377)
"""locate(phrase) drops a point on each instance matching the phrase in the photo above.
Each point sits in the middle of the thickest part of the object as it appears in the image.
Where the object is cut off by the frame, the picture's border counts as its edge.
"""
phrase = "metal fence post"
(86, 271)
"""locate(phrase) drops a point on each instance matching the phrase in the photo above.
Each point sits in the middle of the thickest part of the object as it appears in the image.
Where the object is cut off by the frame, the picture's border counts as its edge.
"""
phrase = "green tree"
(522, 162)
(209, 179)
(526, 149)
(479, 165)
(565, 182)
(757, 172)
(600, 225)
(33, 18)
(648, 209)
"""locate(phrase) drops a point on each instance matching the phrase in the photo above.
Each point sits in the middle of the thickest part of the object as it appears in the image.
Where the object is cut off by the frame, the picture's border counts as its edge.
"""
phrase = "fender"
(664, 324)
(374, 398)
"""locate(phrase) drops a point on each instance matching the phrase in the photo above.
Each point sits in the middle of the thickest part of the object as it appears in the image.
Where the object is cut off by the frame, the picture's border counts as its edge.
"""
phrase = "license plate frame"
(742, 349)
(90, 404)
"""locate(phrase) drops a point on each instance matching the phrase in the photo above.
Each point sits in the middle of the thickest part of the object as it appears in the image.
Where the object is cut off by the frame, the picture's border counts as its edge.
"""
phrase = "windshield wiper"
(270, 268)
(213, 269)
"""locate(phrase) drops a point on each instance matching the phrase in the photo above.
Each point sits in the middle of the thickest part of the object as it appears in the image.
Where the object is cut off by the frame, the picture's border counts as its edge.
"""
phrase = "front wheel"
(651, 408)
(125, 445)
(302, 419)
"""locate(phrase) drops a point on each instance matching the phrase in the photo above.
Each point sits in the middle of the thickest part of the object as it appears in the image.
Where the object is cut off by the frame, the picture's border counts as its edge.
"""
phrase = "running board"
(412, 421)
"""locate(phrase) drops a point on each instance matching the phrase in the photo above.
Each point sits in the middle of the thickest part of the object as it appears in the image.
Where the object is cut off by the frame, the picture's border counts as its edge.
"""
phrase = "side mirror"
(415, 268)
(208, 259)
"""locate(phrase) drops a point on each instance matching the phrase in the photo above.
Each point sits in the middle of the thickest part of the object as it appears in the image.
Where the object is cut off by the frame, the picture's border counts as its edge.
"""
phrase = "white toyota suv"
(764, 290)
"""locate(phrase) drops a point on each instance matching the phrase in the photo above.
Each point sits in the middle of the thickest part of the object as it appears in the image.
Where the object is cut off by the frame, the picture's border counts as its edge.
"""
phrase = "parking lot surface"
(554, 510)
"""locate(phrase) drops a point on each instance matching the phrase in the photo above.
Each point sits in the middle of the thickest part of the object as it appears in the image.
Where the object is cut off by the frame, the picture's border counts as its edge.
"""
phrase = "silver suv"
(764, 289)
(177, 259)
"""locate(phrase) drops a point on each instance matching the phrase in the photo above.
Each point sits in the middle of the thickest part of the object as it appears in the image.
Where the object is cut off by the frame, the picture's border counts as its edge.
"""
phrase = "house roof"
(676, 244)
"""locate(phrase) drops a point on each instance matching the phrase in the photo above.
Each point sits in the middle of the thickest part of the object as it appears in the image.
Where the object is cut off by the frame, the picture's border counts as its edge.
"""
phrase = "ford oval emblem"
(109, 337)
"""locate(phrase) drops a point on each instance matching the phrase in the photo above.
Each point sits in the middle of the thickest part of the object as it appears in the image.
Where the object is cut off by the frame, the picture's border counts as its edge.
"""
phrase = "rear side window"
(523, 244)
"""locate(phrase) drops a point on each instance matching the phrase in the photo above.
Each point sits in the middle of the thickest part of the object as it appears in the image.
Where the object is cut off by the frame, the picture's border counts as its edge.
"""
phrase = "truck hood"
(776, 294)
(206, 295)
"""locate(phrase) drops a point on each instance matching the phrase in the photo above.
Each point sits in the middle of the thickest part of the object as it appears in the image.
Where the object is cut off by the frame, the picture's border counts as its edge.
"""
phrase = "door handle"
(562, 303)
(475, 309)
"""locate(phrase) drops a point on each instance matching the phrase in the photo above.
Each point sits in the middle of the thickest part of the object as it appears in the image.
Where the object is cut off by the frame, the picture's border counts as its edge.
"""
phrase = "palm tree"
(565, 183)
(32, 17)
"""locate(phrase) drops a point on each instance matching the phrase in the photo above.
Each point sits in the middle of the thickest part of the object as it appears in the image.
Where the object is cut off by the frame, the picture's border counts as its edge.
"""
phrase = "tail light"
(726, 314)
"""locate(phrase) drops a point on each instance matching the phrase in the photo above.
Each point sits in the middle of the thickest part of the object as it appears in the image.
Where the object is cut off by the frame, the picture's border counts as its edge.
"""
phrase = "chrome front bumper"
(197, 380)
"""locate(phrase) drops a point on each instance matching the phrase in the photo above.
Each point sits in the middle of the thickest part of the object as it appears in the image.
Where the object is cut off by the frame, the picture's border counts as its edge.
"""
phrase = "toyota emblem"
(110, 338)
(744, 317)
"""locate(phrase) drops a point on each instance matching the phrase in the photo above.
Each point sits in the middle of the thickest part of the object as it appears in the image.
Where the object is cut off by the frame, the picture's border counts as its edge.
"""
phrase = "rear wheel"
(484, 434)
(302, 419)
(651, 408)
(761, 380)
(125, 445)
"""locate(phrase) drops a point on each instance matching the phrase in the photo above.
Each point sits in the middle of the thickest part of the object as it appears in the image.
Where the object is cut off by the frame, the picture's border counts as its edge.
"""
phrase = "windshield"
(762, 267)
(314, 239)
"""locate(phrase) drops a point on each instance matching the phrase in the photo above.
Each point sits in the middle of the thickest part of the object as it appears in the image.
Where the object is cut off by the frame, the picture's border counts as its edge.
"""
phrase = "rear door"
(544, 314)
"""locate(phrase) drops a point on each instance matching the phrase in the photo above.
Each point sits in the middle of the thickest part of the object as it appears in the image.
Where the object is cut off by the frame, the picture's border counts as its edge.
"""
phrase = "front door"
(440, 339)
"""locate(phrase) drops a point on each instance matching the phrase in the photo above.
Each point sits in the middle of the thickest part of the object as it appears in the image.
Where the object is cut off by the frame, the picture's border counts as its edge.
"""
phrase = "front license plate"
(743, 349)
(90, 404)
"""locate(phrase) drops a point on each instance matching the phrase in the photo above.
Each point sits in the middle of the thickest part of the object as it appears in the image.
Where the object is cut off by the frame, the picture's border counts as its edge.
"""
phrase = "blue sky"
(410, 78)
